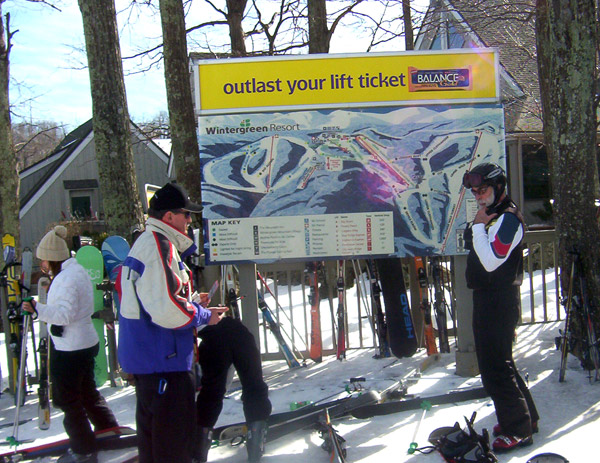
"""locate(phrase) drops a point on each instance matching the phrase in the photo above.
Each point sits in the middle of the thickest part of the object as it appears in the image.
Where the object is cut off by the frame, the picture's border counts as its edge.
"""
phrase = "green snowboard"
(91, 259)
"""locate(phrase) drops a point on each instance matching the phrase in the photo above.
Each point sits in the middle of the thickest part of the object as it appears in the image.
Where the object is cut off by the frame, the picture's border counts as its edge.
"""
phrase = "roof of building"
(44, 169)
(508, 26)
(35, 176)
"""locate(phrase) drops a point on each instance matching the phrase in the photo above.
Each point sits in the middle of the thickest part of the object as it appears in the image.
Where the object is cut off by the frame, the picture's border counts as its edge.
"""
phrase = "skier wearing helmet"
(494, 273)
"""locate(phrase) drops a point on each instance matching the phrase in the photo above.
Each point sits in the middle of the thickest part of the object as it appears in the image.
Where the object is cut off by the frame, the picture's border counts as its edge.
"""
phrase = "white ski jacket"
(70, 304)
(157, 317)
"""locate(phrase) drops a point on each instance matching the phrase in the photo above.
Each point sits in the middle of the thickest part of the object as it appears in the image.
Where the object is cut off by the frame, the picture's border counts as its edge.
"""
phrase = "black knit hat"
(171, 197)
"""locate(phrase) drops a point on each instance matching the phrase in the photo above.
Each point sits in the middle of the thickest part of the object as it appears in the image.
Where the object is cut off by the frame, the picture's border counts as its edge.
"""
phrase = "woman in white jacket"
(74, 346)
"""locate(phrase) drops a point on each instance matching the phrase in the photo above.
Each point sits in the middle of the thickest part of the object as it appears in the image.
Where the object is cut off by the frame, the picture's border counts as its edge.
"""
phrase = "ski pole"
(425, 405)
(14, 439)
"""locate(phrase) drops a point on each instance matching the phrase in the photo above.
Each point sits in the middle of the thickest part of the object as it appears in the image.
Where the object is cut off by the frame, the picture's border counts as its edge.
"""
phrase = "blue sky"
(49, 80)
(47, 62)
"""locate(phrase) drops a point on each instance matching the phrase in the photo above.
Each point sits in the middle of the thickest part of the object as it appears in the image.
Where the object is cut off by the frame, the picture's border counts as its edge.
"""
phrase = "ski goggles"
(475, 179)
(548, 458)
(472, 180)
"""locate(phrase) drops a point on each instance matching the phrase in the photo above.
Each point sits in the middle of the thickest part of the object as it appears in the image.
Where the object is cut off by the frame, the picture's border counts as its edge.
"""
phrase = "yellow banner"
(339, 80)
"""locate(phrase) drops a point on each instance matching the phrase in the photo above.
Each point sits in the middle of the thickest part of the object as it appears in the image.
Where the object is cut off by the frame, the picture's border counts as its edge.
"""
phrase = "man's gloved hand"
(468, 237)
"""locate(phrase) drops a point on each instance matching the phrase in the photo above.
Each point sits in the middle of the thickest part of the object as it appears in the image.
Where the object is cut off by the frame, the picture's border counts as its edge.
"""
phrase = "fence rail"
(540, 301)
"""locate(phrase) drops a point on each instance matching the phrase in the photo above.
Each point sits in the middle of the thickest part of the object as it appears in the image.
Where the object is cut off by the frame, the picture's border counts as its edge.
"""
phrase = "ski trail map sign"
(349, 155)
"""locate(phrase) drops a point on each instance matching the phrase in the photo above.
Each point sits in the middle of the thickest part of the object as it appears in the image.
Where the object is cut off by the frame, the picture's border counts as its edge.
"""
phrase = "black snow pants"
(495, 317)
(74, 392)
(230, 343)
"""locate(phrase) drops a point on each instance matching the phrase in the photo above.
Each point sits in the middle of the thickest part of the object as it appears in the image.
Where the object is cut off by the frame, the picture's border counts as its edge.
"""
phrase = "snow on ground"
(569, 411)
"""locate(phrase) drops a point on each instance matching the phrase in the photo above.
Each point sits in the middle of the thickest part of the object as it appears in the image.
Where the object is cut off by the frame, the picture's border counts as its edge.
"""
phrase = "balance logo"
(439, 79)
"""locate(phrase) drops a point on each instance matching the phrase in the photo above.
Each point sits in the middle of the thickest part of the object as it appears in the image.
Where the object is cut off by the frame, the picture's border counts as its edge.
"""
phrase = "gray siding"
(53, 204)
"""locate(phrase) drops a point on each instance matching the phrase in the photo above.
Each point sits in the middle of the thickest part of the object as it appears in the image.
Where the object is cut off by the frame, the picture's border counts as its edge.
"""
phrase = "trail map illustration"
(331, 183)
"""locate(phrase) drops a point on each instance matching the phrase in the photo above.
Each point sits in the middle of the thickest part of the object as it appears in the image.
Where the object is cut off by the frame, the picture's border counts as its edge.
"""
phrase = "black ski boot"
(255, 443)
(202, 444)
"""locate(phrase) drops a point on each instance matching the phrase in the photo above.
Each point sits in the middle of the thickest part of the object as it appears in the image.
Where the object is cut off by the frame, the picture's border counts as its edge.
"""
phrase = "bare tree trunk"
(408, 29)
(567, 46)
(318, 34)
(112, 137)
(9, 177)
(235, 14)
(182, 119)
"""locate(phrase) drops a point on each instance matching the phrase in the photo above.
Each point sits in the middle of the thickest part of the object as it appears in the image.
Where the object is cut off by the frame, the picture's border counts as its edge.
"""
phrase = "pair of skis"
(20, 324)
(333, 443)
(383, 344)
(441, 308)
(275, 329)
(13, 320)
(579, 305)
(316, 342)
(424, 305)
(284, 423)
(120, 437)
(21, 385)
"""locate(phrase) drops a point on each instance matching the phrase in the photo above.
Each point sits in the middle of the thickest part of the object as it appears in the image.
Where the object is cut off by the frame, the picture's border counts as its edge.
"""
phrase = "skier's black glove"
(468, 237)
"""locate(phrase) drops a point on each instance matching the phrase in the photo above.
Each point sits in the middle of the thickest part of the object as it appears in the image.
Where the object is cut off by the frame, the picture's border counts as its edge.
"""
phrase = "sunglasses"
(187, 214)
(548, 458)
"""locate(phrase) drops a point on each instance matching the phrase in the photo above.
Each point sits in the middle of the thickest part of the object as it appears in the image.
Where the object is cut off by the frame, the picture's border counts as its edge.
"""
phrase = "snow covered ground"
(569, 411)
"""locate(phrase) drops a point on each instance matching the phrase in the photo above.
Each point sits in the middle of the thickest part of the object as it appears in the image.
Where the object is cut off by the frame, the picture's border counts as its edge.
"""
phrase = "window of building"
(81, 206)
(436, 44)
(537, 186)
(455, 40)
(536, 173)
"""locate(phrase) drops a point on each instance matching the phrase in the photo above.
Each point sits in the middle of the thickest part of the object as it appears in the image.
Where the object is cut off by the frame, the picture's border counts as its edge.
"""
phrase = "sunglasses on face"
(480, 191)
(187, 214)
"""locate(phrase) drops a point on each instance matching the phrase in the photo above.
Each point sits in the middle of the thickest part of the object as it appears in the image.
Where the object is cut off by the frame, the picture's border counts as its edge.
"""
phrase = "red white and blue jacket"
(157, 317)
(495, 259)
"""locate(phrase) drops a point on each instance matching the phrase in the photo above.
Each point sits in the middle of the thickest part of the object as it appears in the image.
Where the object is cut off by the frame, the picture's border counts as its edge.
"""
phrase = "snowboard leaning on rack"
(114, 252)
(90, 258)
(400, 328)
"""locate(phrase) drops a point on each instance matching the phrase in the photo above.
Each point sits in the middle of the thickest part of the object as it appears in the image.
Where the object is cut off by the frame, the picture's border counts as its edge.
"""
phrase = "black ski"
(341, 312)
(282, 424)
(380, 323)
(440, 306)
(565, 338)
(387, 408)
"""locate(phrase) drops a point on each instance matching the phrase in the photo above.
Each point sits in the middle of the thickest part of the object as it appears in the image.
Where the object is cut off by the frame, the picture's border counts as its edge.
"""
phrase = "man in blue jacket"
(156, 328)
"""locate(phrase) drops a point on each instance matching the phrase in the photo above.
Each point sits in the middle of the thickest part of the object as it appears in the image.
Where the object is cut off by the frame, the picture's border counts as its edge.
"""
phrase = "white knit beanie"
(53, 246)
